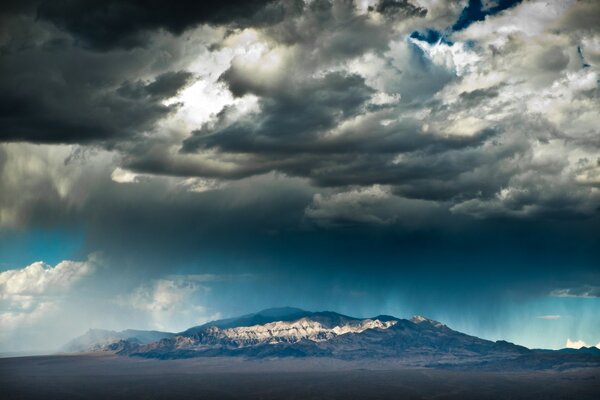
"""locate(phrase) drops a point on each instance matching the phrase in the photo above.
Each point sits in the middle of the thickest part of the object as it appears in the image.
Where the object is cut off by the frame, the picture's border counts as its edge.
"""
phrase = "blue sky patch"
(430, 36)
(475, 11)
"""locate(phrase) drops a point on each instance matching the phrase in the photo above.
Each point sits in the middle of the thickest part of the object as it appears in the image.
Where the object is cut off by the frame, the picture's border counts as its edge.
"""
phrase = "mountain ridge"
(292, 332)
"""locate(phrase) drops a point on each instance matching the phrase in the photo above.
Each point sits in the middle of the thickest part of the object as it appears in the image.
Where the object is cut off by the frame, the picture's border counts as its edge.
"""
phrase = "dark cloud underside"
(105, 25)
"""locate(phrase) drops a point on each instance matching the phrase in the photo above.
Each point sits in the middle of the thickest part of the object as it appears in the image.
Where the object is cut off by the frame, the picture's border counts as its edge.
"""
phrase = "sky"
(165, 164)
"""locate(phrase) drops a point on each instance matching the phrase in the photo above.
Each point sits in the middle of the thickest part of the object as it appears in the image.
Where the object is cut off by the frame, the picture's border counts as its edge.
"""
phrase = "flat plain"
(116, 377)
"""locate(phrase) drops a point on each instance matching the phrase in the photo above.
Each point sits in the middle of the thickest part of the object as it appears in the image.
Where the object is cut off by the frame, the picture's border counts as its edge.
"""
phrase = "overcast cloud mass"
(164, 164)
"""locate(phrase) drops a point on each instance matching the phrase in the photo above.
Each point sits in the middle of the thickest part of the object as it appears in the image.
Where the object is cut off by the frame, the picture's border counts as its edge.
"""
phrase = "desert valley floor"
(116, 377)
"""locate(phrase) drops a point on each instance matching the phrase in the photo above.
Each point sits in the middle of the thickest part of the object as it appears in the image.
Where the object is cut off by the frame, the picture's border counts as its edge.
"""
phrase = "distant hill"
(101, 339)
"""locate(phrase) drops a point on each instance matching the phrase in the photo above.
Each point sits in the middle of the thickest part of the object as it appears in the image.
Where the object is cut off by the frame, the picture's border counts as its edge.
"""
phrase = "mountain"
(262, 317)
(292, 332)
(102, 340)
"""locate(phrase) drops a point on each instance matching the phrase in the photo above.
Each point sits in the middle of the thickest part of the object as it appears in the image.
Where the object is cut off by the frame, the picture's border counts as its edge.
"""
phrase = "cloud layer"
(493, 118)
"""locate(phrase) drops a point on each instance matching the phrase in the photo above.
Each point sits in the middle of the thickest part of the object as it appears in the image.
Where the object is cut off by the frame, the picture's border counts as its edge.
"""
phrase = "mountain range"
(292, 332)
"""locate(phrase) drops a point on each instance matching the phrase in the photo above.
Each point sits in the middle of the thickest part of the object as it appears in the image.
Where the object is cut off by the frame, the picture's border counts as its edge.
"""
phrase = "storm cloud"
(104, 25)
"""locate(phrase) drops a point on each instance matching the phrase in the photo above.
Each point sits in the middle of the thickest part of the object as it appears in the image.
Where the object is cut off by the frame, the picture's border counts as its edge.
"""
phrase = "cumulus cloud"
(41, 278)
(174, 302)
(470, 123)
(575, 344)
(36, 290)
(42, 306)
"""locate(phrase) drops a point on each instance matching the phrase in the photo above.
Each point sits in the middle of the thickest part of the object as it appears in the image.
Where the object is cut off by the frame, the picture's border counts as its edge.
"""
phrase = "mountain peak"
(419, 319)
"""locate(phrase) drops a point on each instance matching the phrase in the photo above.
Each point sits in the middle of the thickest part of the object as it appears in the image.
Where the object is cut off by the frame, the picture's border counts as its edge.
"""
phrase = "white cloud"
(200, 185)
(550, 317)
(121, 175)
(456, 57)
(575, 344)
(176, 302)
(36, 290)
(534, 91)
(41, 278)
(529, 18)
(469, 126)
(172, 303)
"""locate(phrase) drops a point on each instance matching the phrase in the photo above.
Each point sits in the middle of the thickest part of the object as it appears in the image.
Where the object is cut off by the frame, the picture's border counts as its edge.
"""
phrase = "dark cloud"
(12, 7)
(296, 113)
(168, 84)
(401, 8)
(56, 93)
(476, 96)
(331, 92)
(105, 25)
(164, 86)
(76, 106)
(309, 127)
(326, 127)
(577, 291)
(330, 31)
